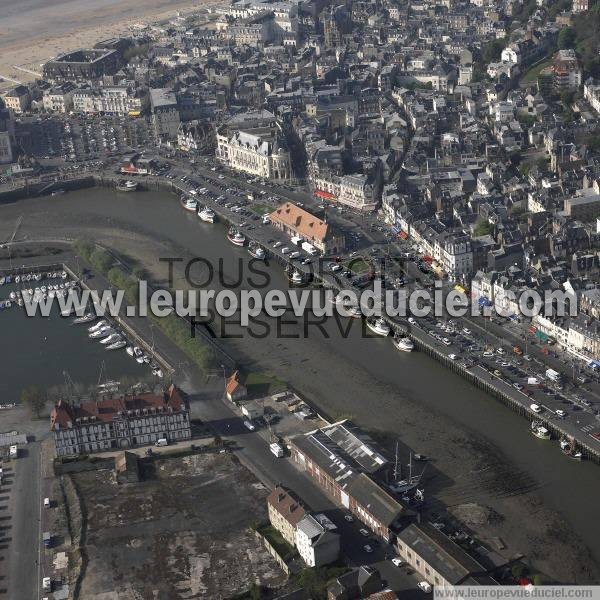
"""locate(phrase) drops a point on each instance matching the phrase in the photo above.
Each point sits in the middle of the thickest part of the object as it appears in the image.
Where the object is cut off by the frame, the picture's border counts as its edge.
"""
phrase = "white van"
(536, 408)
(46, 502)
(161, 442)
(424, 586)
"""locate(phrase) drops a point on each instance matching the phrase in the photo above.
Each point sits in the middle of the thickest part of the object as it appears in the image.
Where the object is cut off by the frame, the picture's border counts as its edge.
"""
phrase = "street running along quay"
(482, 454)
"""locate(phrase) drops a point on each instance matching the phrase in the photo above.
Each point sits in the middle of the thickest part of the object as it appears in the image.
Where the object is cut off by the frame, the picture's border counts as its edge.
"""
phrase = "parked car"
(397, 562)
(364, 532)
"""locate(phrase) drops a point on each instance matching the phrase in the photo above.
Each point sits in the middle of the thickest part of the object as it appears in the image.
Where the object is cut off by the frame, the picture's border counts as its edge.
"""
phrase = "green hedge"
(177, 330)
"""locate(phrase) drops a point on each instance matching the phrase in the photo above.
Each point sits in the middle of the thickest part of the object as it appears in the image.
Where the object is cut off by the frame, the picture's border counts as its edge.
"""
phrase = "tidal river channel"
(410, 396)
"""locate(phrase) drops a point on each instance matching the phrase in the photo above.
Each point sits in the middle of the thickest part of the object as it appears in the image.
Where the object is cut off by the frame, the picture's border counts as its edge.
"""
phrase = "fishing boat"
(189, 204)
(117, 345)
(139, 355)
(540, 431)
(207, 215)
(256, 251)
(568, 448)
(156, 370)
(87, 318)
(127, 186)
(404, 344)
(146, 359)
(379, 326)
(235, 237)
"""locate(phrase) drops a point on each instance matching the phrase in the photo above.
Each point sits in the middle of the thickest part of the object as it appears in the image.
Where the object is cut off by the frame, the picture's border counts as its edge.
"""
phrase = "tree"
(482, 228)
(492, 50)
(566, 38)
(34, 398)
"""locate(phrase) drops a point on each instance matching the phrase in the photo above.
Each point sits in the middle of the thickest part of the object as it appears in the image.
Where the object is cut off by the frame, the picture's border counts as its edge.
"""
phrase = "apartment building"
(285, 512)
(18, 99)
(120, 423)
(317, 540)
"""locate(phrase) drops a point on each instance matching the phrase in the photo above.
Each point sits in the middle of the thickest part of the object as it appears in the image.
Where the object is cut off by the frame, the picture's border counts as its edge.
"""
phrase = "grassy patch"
(531, 75)
(276, 540)
(315, 580)
(260, 209)
(358, 266)
(261, 384)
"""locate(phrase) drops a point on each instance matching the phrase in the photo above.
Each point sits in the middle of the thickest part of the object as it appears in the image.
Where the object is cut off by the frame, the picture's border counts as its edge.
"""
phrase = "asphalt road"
(24, 524)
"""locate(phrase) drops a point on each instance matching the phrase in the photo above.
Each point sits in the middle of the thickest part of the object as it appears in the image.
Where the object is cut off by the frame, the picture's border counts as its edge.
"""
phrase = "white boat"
(404, 344)
(117, 345)
(127, 186)
(87, 318)
(207, 215)
(111, 339)
(353, 311)
(157, 372)
(235, 237)
(129, 350)
(146, 359)
(256, 251)
(98, 325)
(101, 333)
(568, 448)
(540, 431)
(189, 204)
(296, 278)
(379, 326)
(58, 192)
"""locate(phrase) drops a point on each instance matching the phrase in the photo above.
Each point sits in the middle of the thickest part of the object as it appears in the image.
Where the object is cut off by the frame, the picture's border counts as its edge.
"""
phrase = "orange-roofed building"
(297, 222)
(234, 389)
(120, 423)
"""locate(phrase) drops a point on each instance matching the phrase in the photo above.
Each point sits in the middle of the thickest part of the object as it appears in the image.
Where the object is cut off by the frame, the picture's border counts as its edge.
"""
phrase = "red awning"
(427, 259)
(324, 195)
(403, 235)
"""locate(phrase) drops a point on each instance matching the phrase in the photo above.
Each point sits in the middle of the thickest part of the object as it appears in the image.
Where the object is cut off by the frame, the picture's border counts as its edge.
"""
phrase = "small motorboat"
(296, 277)
(256, 251)
(235, 237)
(189, 204)
(540, 431)
(111, 339)
(102, 333)
(129, 350)
(87, 318)
(353, 311)
(117, 345)
(568, 449)
(98, 325)
(379, 326)
(207, 215)
(404, 344)
(127, 186)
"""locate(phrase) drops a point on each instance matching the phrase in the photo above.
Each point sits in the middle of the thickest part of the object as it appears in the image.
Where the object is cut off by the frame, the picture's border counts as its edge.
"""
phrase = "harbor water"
(343, 372)
(48, 351)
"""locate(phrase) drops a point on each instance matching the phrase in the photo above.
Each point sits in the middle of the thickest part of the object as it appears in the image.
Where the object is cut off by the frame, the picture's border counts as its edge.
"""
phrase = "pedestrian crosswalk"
(589, 428)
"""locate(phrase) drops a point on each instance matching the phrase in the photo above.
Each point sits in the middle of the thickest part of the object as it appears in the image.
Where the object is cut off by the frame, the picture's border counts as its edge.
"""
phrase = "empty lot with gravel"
(183, 531)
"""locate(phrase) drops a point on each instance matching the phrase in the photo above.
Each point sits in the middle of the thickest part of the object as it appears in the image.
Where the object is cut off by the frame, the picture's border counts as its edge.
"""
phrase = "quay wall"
(476, 375)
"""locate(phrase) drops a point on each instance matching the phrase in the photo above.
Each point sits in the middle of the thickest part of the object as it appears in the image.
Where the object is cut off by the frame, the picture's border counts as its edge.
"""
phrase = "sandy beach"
(33, 31)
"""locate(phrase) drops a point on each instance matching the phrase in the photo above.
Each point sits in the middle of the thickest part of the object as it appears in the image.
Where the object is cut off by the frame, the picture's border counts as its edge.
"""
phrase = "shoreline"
(27, 44)
(461, 454)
